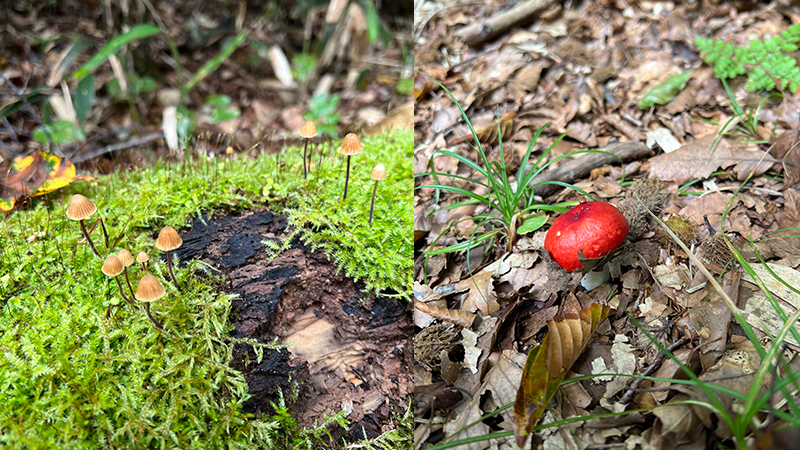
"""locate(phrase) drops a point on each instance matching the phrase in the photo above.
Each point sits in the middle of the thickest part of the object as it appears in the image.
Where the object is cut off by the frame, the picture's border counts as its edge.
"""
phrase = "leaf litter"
(583, 68)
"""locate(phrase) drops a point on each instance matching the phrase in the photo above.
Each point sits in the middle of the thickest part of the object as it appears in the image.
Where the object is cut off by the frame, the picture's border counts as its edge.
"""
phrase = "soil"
(350, 349)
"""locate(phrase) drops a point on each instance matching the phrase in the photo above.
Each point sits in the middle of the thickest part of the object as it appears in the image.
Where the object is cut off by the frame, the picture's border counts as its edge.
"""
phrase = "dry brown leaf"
(481, 293)
(500, 386)
(463, 318)
(549, 362)
(786, 150)
(694, 161)
(711, 205)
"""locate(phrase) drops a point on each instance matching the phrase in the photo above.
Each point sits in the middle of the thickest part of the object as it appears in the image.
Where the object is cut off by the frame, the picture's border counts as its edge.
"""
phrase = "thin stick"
(114, 147)
(632, 389)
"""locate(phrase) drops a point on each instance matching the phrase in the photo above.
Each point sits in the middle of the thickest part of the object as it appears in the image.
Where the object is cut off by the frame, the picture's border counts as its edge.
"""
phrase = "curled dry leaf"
(549, 362)
(463, 318)
(36, 174)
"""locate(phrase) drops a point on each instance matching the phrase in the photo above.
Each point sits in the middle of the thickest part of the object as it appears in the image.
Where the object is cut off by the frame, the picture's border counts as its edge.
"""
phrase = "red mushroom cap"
(594, 228)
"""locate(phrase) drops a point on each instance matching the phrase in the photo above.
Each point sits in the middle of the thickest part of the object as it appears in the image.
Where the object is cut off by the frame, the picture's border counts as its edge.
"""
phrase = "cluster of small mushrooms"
(149, 289)
(351, 146)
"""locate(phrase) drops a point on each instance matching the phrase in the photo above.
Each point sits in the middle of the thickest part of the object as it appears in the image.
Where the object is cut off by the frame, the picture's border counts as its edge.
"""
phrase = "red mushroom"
(593, 228)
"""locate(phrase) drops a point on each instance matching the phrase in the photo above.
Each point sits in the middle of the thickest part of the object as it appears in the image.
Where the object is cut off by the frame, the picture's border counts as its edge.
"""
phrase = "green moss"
(70, 378)
(379, 255)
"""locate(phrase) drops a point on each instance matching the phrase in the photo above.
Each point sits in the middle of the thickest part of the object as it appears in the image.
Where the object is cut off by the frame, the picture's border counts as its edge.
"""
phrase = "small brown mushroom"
(378, 174)
(168, 240)
(126, 258)
(351, 145)
(81, 208)
(308, 131)
(112, 267)
(147, 291)
(142, 259)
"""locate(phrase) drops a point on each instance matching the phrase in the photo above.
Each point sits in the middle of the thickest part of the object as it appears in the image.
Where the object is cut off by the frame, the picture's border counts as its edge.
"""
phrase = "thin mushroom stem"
(169, 264)
(372, 203)
(152, 319)
(105, 233)
(305, 172)
(129, 282)
(88, 239)
(122, 293)
(346, 178)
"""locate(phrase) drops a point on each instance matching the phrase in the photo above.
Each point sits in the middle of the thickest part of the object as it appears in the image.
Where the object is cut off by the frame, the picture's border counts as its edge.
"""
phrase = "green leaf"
(302, 65)
(222, 108)
(373, 22)
(145, 84)
(532, 223)
(665, 92)
(405, 86)
(135, 33)
(60, 132)
(84, 97)
(187, 124)
(214, 64)
(32, 96)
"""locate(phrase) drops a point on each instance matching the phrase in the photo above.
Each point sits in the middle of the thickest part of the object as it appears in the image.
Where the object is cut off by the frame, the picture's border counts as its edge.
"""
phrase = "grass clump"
(72, 378)
(764, 62)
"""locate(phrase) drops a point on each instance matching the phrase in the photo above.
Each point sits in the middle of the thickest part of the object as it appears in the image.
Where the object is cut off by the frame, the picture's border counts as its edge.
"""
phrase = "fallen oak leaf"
(549, 362)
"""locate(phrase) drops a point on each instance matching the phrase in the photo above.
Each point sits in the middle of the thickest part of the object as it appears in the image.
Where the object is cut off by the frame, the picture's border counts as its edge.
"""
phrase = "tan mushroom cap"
(168, 239)
(112, 266)
(125, 257)
(149, 289)
(378, 173)
(80, 208)
(308, 130)
(142, 257)
(351, 145)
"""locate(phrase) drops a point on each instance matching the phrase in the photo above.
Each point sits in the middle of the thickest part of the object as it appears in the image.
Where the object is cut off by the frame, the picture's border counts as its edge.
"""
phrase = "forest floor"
(728, 176)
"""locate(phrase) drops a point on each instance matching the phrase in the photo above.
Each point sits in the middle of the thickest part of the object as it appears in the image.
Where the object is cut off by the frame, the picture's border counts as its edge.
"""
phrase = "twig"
(115, 147)
(21, 94)
(575, 169)
(652, 368)
(483, 31)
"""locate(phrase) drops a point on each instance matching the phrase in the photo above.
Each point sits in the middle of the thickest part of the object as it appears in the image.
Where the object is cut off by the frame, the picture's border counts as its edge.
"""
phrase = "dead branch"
(482, 31)
(578, 168)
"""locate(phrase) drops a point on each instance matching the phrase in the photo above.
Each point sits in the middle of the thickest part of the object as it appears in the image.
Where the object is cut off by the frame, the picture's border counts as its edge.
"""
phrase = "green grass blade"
(566, 185)
(456, 190)
(458, 177)
(84, 98)
(461, 246)
(214, 64)
(524, 163)
(466, 161)
(134, 34)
